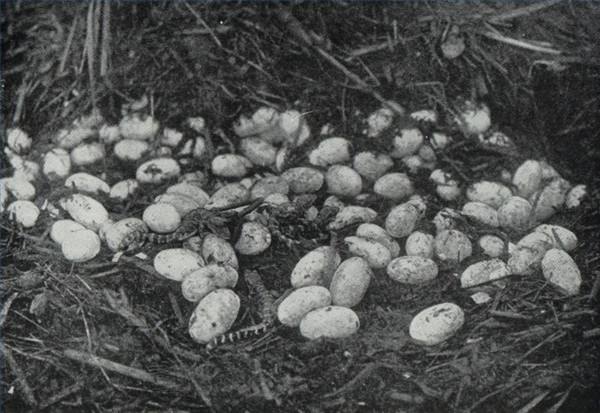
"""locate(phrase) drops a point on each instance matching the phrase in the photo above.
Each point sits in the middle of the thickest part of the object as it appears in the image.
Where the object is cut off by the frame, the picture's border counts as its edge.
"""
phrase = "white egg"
(18, 187)
(378, 234)
(295, 129)
(70, 138)
(315, 268)
(85, 182)
(492, 193)
(329, 322)
(350, 215)
(374, 253)
(412, 269)
(413, 163)
(561, 237)
(333, 201)
(254, 239)
(123, 190)
(183, 204)
(216, 250)
(515, 214)
(372, 165)
(528, 178)
(176, 263)
(395, 186)
(64, 228)
(214, 315)
(548, 171)
(229, 194)
(300, 302)
(561, 271)
(436, 324)
(448, 192)
(483, 272)
(303, 179)
(109, 134)
(138, 127)
(401, 220)
(157, 170)
(197, 178)
(350, 282)
(419, 244)
(162, 218)
(549, 199)
(230, 165)
(200, 282)
(330, 151)
(406, 143)
(18, 140)
(452, 245)
(481, 213)
(3, 197)
(268, 186)
(81, 246)
(575, 196)
(88, 153)
(343, 181)
(259, 152)
(439, 140)
(491, 245)
(276, 199)
(24, 213)
(418, 202)
(85, 210)
(475, 118)
(191, 191)
(115, 234)
(131, 150)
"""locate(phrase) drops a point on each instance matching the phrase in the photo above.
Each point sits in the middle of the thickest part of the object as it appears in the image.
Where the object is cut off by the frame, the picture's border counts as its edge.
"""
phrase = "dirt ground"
(531, 349)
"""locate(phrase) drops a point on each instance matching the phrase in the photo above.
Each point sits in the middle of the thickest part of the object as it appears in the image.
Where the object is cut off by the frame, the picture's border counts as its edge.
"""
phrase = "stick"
(520, 43)
(27, 392)
(6, 308)
(122, 369)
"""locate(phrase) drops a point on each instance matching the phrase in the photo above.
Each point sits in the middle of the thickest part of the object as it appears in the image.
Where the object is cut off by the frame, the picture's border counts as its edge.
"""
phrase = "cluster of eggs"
(325, 288)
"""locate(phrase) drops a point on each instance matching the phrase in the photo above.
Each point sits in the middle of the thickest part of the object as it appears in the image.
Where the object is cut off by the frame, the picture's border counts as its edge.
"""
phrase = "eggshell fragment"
(85, 182)
(436, 324)
(157, 170)
(19, 188)
(395, 186)
(316, 267)
(492, 193)
(350, 215)
(491, 245)
(230, 165)
(70, 138)
(88, 153)
(170, 137)
(379, 121)
(448, 192)
(23, 169)
(452, 245)
(81, 246)
(63, 228)
(445, 219)
(376, 233)
(475, 118)
(176, 263)
(439, 140)
(483, 272)
(115, 234)
(575, 196)
(375, 254)
(303, 179)
(401, 220)
(372, 165)
(549, 199)
(425, 115)
(18, 140)
(294, 127)
(131, 150)
(330, 151)
(254, 239)
(528, 178)
(412, 269)
(108, 134)
(183, 204)
(230, 194)
(561, 271)
(85, 210)
(330, 322)
(343, 181)
(561, 237)
(214, 315)
(406, 143)
(24, 213)
(259, 152)
(200, 282)
(515, 214)
(481, 213)
(123, 190)
(268, 186)
(138, 127)
(300, 302)
(419, 244)
(216, 250)
(162, 218)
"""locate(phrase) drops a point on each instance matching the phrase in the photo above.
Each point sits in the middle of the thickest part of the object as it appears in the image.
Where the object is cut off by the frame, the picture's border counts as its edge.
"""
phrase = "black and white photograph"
(300, 206)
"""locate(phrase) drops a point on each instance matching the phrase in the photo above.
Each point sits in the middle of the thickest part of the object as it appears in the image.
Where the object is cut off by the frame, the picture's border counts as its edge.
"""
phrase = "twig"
(523, 11)
(28, 396)
(520, 43)
(67, 391)
(363, 374)
(122, 369)
(6, 308)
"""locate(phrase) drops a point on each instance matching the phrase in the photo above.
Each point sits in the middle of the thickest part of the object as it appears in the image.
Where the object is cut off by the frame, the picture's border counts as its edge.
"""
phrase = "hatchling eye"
(213, 324)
